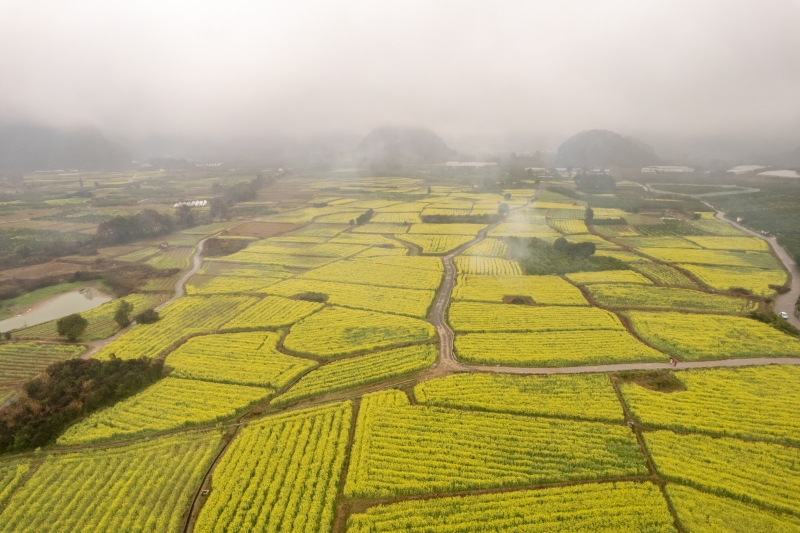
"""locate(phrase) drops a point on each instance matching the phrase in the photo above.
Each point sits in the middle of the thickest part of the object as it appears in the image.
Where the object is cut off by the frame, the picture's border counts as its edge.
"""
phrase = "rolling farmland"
(365, 377)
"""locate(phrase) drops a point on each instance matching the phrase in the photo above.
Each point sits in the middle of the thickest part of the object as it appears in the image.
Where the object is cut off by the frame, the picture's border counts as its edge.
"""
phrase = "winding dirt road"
(448, 362)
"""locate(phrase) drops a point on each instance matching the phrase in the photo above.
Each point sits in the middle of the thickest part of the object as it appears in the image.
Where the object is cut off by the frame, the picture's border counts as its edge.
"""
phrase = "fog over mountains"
(714, 79)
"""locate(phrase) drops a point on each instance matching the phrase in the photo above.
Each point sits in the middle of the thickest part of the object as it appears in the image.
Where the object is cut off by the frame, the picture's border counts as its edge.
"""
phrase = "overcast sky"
(486, 70)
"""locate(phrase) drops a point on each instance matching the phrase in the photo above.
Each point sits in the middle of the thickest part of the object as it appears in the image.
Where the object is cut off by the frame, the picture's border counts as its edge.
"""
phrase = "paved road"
(97, 345)
(783, 302)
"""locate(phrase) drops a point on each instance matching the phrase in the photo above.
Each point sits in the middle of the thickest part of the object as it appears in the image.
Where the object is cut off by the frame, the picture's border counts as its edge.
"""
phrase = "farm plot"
(403, 449)
(410, 302)
(608, 276)
(511, 229)
(22, 361)
(488, 247)
(296, 261)
(237, 358)
(317, 250)
(199, 284)
(646, 297)
(754, 403)
(766, 474)
(599, 242)
(386, 228)
(489, 317)
(312, 233)
(146, 486)
(569, 226)
(548, 290)
(139, 255)
(704, 337)
(487, 266)
(401, 274)
(180, 257)
(714, 257)
(169, 404)
(724, 278)
(716, 227)
(397, 218)
(614, 231)
(700, 512)
(356, 371)
(338, 331)
(578, 396)
(570, 213)
(187, 316)
(752, 244)
(365, 239)
(554, 349)
(272, 312)
(11, 474)
(600, 508)
(436, 244)
(657, 242)
(664, 275)
(447, 229)
(101, 319)
(625, 257)
(281, 474)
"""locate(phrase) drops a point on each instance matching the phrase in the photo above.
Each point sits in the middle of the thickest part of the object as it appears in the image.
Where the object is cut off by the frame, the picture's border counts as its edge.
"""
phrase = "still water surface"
(65, 304)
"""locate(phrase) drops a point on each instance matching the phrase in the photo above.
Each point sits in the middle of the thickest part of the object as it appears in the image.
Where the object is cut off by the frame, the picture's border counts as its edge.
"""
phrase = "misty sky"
(466, 69)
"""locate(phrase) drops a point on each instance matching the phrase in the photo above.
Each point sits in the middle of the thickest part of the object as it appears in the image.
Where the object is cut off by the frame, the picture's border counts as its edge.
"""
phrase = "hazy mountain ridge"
(403, 145)
(603, 148)
(27, 147)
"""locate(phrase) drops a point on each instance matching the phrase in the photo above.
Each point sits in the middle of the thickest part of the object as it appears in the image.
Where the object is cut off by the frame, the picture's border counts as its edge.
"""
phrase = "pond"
(76, 301)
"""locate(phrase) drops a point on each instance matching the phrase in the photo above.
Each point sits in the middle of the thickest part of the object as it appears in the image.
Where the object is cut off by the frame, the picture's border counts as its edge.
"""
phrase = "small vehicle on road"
(784, 315)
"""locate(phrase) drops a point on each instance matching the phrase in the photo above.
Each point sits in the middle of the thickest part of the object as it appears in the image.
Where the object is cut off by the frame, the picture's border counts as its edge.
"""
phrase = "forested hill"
(28, 147)
(403, 145)
(603, 148)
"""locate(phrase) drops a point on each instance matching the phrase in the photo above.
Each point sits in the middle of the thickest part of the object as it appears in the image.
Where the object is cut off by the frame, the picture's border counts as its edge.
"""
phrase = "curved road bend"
(95, 346)
(783, 302)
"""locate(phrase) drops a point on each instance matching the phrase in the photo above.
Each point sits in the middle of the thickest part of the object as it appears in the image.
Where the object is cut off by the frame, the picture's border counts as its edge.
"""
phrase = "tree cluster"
(66, 392)
(122, 229)
(364, 217)
(537, 257)
(575, 249)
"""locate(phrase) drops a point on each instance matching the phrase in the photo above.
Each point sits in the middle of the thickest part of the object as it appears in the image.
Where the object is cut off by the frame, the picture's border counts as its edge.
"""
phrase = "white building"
(193, 203)
(780, 174)
(744, 169)
(470, 164)
(667, 169)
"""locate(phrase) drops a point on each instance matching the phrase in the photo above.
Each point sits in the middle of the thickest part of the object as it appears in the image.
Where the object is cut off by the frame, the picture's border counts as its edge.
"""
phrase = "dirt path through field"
(97, 345)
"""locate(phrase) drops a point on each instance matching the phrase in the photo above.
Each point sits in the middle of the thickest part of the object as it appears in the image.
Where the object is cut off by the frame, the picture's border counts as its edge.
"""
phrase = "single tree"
(589, 215)
(123, 314)
(71, 326)
(502, 209)
(7, 335)
(148, 316)
(429, 189)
